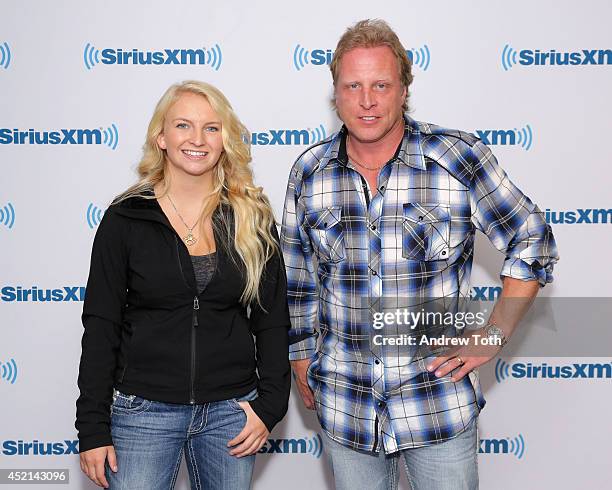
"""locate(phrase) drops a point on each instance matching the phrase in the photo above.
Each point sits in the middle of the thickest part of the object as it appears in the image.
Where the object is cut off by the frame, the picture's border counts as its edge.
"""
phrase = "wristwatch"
(496, 334)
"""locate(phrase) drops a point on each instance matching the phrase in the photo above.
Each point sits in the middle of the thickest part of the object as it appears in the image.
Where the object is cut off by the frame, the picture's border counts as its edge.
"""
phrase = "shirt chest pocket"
(426, 231)
(324, 227)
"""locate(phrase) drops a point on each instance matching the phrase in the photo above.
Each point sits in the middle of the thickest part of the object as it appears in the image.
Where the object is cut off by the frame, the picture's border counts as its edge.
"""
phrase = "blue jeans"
(151, 437)
(450, 465)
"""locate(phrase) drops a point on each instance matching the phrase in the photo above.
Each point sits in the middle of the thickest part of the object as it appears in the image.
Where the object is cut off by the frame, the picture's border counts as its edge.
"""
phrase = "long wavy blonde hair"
(253, 216)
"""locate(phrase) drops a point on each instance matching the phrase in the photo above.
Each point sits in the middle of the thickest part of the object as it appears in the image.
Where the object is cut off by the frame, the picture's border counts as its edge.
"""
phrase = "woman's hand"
(252, 437)
(92, 463)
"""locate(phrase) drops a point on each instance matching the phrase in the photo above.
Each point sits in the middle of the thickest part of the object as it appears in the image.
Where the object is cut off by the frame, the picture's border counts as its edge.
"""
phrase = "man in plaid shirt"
(386, 210)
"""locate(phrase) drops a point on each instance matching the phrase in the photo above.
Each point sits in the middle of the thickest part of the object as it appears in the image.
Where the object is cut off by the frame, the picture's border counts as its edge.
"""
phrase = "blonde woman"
(185, 316)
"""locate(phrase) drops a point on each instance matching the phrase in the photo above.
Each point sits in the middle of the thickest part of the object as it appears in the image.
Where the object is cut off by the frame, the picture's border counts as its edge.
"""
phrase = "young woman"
(186, 319)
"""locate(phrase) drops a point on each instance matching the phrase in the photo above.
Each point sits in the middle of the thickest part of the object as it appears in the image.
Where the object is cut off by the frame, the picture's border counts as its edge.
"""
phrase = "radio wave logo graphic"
(517, 446)
(5, 55)
(7, 216)
(524, 137)
(91, 56)
(214, 57)
(508, 57)
(317, 134)
(420, 57)
(8, 371)
(111, 136)
(300, 57)
(315, 446)
(502, 370)
(93, 215)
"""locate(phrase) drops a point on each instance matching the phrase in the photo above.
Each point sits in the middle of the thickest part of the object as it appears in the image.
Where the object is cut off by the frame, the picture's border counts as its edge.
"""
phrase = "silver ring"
(460, 360)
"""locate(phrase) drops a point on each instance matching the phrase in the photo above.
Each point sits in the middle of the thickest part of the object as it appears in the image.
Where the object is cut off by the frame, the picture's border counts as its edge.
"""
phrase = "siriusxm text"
(497, 136)
(282, 137)
(20, 294)
(579, 216)
(60, 137)
(284, 446)
(39, 448)
(536, 57)
(485, 293)
(164, 57)
(325, 56)
(528, 370)
(494, 446)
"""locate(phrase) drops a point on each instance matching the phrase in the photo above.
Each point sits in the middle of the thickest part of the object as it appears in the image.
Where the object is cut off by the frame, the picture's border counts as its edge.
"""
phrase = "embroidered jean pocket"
(249, 397)
(129, 404)
(324, 227)
(426, 231)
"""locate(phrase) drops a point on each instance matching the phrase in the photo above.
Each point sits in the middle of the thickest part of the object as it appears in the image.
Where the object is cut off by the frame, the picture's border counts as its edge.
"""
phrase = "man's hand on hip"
(300, 369)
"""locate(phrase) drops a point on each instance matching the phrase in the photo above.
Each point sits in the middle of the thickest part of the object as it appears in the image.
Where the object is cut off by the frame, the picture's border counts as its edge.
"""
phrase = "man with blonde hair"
(386, 209)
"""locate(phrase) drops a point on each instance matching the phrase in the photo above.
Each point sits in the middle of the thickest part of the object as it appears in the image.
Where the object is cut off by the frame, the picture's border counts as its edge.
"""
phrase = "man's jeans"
(150, 438)
(450, 465)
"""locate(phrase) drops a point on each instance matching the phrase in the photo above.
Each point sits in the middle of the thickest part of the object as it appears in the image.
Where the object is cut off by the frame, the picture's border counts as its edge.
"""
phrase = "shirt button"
(376, 361)
(381, 404)
(374, 273)
(382, 187)
(372, 227)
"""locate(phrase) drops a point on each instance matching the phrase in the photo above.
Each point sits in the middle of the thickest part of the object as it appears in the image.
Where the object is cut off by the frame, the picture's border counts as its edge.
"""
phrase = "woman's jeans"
(150, 438)
(449, 465)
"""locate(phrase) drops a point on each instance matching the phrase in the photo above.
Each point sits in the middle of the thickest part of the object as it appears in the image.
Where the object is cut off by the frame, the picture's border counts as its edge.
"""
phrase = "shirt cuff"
(304, 349)
(519, 269)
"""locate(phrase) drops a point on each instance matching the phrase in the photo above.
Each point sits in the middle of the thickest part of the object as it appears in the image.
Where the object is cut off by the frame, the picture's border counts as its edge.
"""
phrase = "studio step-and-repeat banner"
(78, 83)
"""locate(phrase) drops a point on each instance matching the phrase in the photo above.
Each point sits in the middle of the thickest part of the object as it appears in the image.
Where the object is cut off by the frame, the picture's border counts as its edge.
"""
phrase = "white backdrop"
(548, 125)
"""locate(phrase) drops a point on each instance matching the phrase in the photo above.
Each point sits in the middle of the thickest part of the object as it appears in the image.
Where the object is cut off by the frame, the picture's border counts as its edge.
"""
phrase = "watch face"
(494, 331)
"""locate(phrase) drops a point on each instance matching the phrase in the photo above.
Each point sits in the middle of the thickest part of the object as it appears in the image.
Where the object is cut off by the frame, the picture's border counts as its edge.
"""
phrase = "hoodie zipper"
(194, 324)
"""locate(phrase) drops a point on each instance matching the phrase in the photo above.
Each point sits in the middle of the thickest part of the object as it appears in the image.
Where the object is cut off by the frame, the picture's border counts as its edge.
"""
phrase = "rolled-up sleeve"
(302, 291)
(513, 223)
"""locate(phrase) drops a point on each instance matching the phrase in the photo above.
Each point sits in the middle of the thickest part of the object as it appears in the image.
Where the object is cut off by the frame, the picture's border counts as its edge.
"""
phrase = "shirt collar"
(409, 151)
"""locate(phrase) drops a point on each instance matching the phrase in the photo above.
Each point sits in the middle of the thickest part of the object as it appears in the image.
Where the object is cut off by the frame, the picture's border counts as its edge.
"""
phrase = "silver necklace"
(362, 165)
(189, 239)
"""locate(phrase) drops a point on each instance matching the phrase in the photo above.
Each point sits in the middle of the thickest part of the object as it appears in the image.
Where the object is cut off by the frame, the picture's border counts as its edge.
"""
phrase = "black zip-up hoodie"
(149, 333)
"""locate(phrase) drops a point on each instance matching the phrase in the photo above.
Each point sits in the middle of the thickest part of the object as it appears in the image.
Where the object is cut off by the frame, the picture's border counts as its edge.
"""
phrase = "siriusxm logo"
(38, 448)
(289, 136)
(485, 293)
(535, 57)
(93, 215)
(8, 371)
(312, 446)
(580, 216)
(507, 445)
(110, 56)
(21, 295)
(522, 137)
(98, 136)
(5, 55)
(521, 370)
(420, 57)
(7, 216)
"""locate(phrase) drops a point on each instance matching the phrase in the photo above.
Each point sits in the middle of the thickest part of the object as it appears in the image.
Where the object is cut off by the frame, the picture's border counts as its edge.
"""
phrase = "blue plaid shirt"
(414, 239)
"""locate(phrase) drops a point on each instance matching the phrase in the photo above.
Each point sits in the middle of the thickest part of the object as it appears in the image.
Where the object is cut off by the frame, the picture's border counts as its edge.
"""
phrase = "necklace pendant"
(190, 239)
